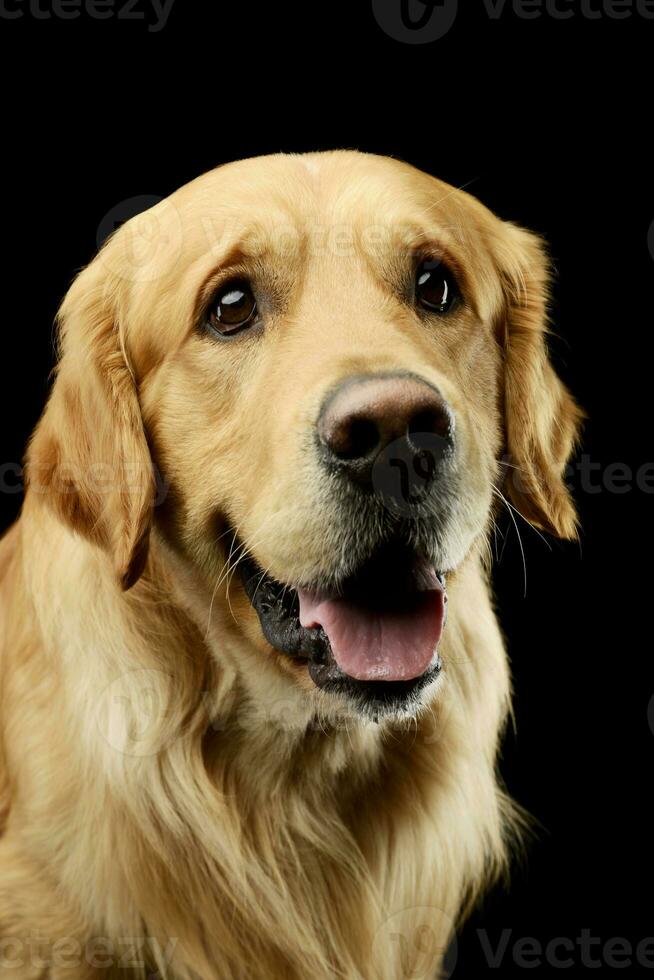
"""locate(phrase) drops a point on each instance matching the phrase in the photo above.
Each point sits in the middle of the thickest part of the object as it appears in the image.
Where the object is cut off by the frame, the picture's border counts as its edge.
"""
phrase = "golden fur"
(173, 793)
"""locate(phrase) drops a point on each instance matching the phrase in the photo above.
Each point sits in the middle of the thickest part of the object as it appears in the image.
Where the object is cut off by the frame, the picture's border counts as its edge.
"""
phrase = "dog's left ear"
(89, 457)
(541, 417)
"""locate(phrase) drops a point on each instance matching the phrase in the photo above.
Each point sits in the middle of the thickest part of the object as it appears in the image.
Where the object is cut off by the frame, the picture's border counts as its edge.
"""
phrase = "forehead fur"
(350, 206)
(339, 187)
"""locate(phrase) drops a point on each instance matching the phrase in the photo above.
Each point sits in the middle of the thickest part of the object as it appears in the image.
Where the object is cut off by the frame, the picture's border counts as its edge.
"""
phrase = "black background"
(548, 122)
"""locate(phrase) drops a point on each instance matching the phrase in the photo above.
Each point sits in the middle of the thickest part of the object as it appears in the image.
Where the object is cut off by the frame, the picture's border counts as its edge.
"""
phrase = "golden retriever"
(238, 739)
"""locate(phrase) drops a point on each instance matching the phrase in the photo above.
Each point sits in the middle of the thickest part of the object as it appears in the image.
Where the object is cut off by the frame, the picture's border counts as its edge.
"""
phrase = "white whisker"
(517, 530)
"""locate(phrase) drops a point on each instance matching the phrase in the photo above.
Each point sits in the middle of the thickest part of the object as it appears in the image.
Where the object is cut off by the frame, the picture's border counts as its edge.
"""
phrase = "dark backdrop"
(547, 122)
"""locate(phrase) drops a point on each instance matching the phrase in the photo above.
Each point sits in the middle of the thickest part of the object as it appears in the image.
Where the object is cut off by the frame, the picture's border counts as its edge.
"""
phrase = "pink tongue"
(377, 645)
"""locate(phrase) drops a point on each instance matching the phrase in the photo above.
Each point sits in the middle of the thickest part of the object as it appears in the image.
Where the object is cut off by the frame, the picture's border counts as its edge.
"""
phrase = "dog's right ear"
(541, 418)
(89, 456)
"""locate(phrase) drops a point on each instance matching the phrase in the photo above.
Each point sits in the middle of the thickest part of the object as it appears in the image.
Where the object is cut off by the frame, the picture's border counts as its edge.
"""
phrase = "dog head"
(336, 363)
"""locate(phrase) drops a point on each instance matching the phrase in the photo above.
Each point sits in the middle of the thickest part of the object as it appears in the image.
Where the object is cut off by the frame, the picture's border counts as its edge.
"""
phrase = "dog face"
(326, 359)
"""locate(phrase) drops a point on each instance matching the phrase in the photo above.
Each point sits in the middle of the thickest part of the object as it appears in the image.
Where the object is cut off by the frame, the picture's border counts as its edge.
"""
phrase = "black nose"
(386, 429)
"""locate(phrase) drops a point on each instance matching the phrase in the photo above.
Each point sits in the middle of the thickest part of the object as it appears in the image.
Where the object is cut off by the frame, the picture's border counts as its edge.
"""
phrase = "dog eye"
(436, 287)
(233, 309)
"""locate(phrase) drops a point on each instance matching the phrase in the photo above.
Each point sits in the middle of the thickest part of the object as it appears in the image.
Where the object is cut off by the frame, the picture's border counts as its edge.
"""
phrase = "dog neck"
(242, 824)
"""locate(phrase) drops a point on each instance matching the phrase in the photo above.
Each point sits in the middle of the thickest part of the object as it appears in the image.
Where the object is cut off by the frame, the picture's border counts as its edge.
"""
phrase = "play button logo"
(415, 21)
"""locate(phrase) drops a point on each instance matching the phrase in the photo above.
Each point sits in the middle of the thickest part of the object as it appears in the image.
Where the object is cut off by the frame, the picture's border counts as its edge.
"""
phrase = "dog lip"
(375, 697)
(277, 606)
(278, 609)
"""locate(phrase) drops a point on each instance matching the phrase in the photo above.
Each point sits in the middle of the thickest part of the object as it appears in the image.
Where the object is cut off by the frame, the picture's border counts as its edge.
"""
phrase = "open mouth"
(374, 638)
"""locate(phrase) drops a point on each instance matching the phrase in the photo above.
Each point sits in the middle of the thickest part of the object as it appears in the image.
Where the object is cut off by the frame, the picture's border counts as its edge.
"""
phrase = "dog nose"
(376, 421)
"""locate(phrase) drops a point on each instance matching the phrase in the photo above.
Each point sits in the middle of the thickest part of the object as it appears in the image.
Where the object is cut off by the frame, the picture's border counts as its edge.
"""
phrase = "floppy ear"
(89, 456)
(541, 418)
